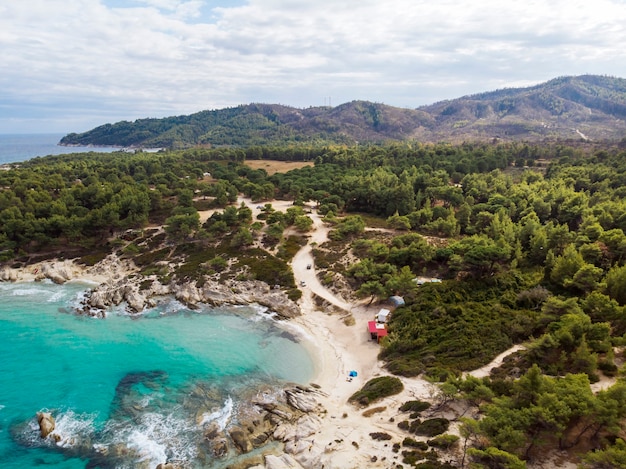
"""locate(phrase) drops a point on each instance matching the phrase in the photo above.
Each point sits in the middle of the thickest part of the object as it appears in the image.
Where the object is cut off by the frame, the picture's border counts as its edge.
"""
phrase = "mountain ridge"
(587, 107)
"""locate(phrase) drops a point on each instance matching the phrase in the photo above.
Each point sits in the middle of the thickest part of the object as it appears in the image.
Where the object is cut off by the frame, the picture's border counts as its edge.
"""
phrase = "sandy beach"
(344, 440)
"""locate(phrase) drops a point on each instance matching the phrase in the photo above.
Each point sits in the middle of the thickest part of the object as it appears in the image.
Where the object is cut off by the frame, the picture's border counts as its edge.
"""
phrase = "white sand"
(345, 434)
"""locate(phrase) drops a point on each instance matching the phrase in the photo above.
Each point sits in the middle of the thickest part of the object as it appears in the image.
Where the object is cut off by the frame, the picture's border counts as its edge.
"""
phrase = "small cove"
(151, 383)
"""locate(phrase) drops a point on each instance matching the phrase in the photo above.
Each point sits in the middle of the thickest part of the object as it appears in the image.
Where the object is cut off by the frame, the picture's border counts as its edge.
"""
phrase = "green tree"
(616, 284)
(611, 457)
(566, 266)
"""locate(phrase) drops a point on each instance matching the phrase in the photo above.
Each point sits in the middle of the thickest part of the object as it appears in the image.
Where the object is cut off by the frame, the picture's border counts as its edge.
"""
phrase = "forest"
(529, 241)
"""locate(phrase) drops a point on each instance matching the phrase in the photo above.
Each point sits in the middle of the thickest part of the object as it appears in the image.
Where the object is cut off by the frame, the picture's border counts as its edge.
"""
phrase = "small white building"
(383, 315)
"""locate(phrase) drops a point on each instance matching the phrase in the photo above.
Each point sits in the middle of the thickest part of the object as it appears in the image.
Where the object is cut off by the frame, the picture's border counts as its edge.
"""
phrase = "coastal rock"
(46, 423)
(241, 442)
(220, 448)
(136, 301)
(112, 268)
(284, 461)
(187, 293)
(58, 272)
(307, 425)
(115, 293)
(301, 401)
(8, 275)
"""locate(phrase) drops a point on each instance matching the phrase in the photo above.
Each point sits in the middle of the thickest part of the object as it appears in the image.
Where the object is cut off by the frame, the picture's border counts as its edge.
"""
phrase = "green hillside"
(587, 107)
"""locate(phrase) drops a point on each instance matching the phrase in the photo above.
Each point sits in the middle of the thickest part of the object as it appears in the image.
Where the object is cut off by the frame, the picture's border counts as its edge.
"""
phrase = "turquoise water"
(150, 384)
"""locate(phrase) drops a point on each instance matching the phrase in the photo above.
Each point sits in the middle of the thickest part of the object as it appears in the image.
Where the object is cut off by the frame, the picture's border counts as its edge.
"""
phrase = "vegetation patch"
(93, 258)
(445, 441)
(414, 406)
(374, 410)
(411, 443)
(376, 389)
(432, 427)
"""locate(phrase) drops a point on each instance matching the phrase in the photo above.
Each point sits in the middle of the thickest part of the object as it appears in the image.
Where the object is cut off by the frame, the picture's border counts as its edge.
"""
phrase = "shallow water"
(129, 392)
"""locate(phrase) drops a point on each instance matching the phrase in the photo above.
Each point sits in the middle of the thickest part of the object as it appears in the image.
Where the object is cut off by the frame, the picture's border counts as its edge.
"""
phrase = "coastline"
(333, 433)
(340, 435)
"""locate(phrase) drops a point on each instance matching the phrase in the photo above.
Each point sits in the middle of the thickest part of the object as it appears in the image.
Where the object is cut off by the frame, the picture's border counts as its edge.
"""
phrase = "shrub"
(414, 406)
(445, 441)
(432, 427)
(410, 442)
(377, 388)
(294, 294)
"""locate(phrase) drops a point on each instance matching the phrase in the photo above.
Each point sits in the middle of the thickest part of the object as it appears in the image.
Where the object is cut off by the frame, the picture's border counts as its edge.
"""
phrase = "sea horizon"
(17, 148)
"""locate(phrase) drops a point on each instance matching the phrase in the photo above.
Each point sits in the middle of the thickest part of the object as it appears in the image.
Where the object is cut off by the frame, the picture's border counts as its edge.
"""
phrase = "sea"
(15, 148)
(131, 391)
(128, 391)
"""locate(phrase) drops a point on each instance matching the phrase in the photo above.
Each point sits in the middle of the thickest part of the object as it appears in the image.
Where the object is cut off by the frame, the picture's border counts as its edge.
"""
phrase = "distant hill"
(584, 107)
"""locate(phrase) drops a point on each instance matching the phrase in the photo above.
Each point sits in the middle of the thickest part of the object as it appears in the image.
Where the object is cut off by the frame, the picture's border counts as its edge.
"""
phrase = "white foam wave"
(72, 428)
(219, 416)
(173, 307)
(147, 449)
(56, 297)
(30, 292)
(155, 438)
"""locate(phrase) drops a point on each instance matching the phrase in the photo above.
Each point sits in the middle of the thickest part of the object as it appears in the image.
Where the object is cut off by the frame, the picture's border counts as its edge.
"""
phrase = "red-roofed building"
(376, 330)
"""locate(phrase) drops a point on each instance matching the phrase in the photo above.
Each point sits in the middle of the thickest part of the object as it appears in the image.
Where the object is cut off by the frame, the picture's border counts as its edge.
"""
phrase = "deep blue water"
(129, 392)
(21, 147)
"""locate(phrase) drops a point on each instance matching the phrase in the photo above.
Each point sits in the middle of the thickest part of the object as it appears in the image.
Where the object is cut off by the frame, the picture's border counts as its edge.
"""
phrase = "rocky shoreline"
(291, 418)
(118, 283)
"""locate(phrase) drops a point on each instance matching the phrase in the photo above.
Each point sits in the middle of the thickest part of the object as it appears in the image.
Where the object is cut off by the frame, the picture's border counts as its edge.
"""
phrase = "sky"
(71, 65)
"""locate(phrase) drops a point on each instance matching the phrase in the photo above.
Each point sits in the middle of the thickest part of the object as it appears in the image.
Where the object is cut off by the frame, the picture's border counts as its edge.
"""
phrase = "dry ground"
(273, 166)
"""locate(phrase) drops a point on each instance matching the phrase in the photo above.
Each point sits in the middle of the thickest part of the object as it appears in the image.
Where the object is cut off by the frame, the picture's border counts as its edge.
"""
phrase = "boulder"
(187, 293)
(58, 272)
(46, 423)
(300, 401)
(240, 440)
(8, 275)
(220, 448)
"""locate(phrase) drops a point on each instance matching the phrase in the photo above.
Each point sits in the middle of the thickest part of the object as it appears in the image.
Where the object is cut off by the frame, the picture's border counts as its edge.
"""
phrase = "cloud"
(138, 58)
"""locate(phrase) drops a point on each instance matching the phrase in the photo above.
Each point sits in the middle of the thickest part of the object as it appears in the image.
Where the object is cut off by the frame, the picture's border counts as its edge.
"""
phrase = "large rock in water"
(46, 423)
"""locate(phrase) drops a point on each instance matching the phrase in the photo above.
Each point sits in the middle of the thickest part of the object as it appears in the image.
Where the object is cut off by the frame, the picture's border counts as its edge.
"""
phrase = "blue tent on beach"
(352, 374)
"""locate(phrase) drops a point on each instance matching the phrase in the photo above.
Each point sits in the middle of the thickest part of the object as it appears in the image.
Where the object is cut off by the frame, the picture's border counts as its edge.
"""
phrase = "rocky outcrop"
(120, 284)
(114, 293)
(58, 272)
(8, 275)
(128, 290)
(46, 423)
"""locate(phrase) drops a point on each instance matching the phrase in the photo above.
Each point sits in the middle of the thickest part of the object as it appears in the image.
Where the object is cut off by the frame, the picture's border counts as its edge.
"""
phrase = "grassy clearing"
(273, 166)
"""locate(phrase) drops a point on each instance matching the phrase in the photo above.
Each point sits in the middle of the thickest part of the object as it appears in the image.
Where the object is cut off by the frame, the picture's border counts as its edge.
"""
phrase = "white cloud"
(138, 58)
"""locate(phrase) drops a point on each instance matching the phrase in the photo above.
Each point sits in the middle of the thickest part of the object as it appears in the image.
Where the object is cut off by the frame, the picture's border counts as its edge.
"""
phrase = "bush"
(414, 406)
(445, 441)
(410, 442)
(377, 388)
(294, 294)
(432, 427)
